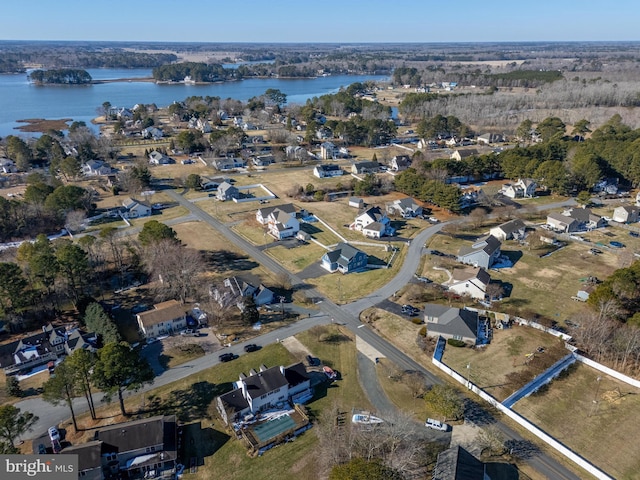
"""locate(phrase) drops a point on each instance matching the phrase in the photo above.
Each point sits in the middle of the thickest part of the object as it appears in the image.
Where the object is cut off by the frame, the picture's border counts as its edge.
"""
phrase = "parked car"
(313, 361)
(634, 234)
(409, 309)
(226, 357)
(54, 434)
(190, 332)
(252, 347)
(436, 425)
(434, 220)
(42, 450)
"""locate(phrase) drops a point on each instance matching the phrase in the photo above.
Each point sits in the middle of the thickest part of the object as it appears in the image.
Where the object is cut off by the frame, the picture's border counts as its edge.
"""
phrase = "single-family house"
(344, 258)
(49, 345)
(324, 133)
(365, 221)
(134, 208)
(489, 138)
(365, 167)
(406, 207)
(145, 448)
(264, 389)
(327, 170)
(262, 214)
(482, 253)
(234, 290)
(94, 168)
(7, 165)
(89, 459)
(158, 158)
(456, 463)
(327, 150)
(152, 132)
(626, 214)
(512, 229)
(281, 223)
(263, 160)
(164, 319)
(200, 124)
(356, 202)
(228, 163)
(211, 183)
(451, 322)
(297, 152)
(399, 163)
(226, 191)
(575, 219)
(472, 281)
(460, 154)
(523, 188)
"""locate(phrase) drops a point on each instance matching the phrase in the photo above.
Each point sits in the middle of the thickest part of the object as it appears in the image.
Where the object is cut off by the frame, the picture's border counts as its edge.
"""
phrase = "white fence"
(548, 439)
(620, 376)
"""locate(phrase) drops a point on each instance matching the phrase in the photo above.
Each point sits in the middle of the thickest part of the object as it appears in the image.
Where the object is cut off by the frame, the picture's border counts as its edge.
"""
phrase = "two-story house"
(373, 223)
(145, 448)
(344, 258)
(134, 208)
(472, 282)
(265, 389)
(512, 229)
(165, 318)
(405, 207)
(574, 220)
(234, 290)
(281, 220)
(482, 253)
(226, 191)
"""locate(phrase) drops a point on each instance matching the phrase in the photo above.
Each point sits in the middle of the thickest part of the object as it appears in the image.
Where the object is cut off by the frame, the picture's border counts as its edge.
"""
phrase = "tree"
(37, 193)
(121, 368)
(14, 423)
(97, 320)
(82, 362)
(12, 285)
(193, 181)
(524, 130)
(275, 97)
(154, 231)
(580, 129)
(551, 127)
(66, 198)
(491, 439)
(446, 401)
(250, 314)
(584, 198)
(13, 387)
(61, 387)
(74, 265)
(361, 469)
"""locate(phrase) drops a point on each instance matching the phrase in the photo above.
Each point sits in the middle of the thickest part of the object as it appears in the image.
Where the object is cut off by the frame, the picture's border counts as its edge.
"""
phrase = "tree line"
(62, 76)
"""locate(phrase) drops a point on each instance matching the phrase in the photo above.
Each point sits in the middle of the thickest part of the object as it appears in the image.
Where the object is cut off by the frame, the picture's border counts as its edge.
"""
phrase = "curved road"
(348, 315)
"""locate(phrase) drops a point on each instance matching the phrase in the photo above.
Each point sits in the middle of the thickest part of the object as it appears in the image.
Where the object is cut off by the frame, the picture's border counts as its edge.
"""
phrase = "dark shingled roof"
(264, 382)
(296, 374)
(89, 454)
(458, 464)
(125, 437)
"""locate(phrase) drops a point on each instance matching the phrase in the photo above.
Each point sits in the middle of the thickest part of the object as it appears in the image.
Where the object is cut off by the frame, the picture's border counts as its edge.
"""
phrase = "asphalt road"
(348, 315)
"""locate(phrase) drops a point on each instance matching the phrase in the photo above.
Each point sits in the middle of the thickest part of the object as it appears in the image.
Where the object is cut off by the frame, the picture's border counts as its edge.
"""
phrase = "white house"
(406, 207)
(134, 208)
(626, 214)
(460, 154)
(94, 168)
(523, 188)
(7, 165)
(234, 290)
(512, 229)
(373, 222)
(226, 191)
(157, 158)
(327, 150)
(482, 253)
(327, 170)
(399, 163)
(281, 221)
(165, 318)
(264, 389)
(152, 132)
(472, 282)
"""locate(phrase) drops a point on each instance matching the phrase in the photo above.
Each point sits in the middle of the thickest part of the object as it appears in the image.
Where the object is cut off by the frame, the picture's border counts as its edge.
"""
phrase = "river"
(21, 100)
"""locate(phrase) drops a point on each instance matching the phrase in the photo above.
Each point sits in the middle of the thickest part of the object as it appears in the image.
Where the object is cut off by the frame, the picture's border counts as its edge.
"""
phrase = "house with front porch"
(344, 258)
(327, 170)
(281, 221)
(264, 389)
(575, 220)
(165, 318)
(523, 188)
(360, 168)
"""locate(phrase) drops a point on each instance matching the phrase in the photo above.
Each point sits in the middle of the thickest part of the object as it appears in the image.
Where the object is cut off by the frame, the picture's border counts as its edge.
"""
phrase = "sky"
(328, 21)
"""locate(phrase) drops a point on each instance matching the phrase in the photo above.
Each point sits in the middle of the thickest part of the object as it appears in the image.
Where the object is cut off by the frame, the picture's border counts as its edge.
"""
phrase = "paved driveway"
(313, 271)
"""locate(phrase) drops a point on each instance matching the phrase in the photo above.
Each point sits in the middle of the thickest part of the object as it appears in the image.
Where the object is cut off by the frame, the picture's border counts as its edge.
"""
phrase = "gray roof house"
(365, 220)
(406, 207)
(470, 281)
(512, 229)
(134, 209)
(89, 459)
(482, 253)
(157, 158)
(365, 167)
(626, 214)
(575, 219)
(234, 290)
(448, 322)
(327, 170)
(400, 163)
(93, 168)
(226, 191)
(456, 463)
(344, 258)
(140, 446)
(264, 389)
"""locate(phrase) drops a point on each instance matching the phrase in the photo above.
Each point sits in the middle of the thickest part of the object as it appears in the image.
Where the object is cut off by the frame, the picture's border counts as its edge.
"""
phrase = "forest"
(62, 76)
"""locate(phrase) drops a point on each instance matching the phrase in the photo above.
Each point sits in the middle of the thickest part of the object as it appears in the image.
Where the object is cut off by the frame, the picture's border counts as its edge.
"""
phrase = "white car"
(54, 434)
(436, 425)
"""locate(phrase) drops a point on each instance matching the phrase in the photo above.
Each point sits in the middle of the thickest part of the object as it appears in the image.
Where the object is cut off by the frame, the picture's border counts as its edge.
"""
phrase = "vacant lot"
(593, 414)
(511, 350)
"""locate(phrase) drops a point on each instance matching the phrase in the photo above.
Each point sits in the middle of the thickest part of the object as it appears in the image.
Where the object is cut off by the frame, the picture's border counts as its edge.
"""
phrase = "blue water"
(21, 100)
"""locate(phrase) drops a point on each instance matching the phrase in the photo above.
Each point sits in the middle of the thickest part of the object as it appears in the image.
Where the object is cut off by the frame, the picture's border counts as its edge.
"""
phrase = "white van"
(436, 425)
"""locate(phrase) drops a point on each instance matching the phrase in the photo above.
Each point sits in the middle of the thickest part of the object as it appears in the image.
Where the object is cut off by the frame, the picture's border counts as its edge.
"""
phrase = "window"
(457, 337)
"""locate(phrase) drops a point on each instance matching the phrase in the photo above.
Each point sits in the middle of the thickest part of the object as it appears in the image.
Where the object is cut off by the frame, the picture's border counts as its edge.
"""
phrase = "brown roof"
(163, 312)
